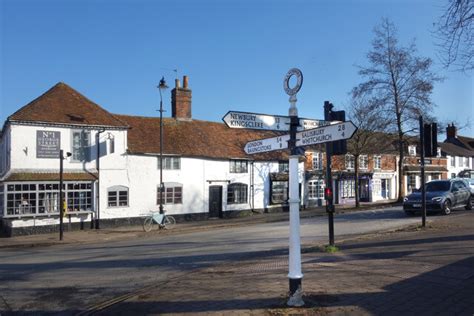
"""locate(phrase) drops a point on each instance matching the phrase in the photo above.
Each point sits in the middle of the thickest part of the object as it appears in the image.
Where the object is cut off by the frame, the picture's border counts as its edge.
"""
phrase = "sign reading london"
(236, 119)
(268, 144)
(325, 134)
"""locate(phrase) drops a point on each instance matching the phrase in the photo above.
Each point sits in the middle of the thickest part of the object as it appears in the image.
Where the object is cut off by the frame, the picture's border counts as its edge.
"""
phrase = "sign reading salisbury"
(236, 119)
(268, 144)
(325, 134)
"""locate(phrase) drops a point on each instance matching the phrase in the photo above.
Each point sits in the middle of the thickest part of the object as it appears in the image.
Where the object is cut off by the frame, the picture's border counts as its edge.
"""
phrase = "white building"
(113, 174)
(459, 151)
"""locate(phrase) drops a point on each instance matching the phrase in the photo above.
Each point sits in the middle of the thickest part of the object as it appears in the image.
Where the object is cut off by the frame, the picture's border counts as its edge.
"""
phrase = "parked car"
(468, 176)
(441, 196)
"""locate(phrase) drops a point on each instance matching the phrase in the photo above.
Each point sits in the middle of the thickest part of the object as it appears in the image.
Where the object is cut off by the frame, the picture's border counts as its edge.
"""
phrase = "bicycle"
(162, 220)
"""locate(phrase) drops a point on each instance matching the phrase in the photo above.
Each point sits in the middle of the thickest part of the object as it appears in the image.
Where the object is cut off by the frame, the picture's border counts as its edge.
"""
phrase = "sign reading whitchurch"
(236, 119)
(325, 134)
(48, 144)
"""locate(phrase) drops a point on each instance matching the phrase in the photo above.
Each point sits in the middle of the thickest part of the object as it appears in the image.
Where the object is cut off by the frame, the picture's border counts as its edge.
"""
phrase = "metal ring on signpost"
(299, 81)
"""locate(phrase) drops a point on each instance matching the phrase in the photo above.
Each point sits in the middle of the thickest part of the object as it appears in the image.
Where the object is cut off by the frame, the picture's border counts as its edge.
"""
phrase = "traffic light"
(338, 147)
(328, 194)
(430, 140)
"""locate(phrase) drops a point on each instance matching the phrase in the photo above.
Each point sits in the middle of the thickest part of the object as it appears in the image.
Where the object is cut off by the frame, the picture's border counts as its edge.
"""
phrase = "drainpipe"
(97, 217)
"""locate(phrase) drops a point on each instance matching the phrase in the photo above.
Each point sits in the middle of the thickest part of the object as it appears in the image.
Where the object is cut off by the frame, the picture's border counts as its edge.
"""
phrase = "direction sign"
(268, 144)
(236, 119)
(325, 134)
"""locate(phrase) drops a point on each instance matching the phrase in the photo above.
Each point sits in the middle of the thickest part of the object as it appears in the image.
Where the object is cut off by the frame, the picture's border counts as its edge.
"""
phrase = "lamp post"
(61, 198)
(161, 87)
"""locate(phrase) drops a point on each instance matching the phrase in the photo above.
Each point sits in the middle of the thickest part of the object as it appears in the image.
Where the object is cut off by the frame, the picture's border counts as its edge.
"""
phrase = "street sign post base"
(296, 294)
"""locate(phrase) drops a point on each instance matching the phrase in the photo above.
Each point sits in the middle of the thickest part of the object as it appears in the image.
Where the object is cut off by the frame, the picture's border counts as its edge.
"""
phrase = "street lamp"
(61, 198)
(161, 87)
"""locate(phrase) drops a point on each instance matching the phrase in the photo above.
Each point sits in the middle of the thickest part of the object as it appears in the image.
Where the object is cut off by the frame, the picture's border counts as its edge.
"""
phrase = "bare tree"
(455, 31)
(368, 117)
(400, 83)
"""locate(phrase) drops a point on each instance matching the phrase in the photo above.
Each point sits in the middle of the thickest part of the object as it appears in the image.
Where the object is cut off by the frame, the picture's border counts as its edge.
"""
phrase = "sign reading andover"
(236, 119)
(48, 144)
(268, 144)
(325, 134)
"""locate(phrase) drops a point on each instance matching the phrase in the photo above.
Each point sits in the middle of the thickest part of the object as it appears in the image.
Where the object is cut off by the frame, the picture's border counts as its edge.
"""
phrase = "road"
(68, 278)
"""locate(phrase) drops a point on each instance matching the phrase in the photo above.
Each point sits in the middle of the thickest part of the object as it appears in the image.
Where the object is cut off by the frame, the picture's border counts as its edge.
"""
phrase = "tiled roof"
(64, 105)
(467, 141)
(29, 176)
(193, 138)
(454, 150)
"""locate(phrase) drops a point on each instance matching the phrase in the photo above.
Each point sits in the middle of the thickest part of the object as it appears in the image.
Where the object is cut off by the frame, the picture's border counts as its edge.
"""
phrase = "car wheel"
(446, 207)
(469, 203)
(410, 213)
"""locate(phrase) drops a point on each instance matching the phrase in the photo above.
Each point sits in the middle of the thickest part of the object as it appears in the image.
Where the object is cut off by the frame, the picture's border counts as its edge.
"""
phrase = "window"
(347, 188)
(453, 175)
(316, 189)
(363, 162)
(377, 162)
(412, 150)
(279, 192)
(349, 161)
(2, 201)
(43, 198)
(283, 166)
(466, 162)
(238, 166)
(435, 176)
(80, 145)
(117, 196)
(172, 194)
(170, 163)
(237, 193)
(460, 161)
(111, 144)
(411, 181)
(453, 161)
(317, 161)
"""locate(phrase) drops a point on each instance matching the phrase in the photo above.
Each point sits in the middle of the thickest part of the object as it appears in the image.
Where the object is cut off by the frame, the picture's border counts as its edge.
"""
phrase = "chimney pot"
(185, 82)
(176, 83)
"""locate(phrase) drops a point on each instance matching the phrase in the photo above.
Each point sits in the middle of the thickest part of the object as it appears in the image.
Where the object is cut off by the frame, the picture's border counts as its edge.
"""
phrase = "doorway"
(215, 201)
(386, 188)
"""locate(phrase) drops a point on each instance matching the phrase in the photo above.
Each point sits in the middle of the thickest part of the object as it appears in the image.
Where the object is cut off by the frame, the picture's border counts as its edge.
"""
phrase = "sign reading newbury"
(236, 119)
(48, 144)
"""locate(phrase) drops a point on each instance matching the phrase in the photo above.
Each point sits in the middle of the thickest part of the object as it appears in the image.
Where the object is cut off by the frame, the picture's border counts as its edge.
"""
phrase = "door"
(385, 188)
(215, 201)
(364, 190)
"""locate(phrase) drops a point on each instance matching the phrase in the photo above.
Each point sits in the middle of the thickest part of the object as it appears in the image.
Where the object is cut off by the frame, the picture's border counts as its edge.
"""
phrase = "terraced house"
(113, 175)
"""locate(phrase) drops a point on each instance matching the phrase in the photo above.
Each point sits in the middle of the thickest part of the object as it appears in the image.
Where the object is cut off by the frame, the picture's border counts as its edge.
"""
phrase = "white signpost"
(310, 132)
(248, 120)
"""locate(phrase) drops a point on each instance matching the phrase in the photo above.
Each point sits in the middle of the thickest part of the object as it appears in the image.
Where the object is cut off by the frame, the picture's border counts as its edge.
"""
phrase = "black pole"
(329, 202)
(61, 203)
(422, 167)
(161, 153)
(97, 218)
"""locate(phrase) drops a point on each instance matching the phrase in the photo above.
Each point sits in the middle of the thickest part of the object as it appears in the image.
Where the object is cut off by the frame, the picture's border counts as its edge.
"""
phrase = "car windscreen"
(438, 186)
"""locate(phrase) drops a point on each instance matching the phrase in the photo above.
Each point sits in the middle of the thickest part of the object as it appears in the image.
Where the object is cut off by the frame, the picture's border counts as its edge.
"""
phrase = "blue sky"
(236, 53)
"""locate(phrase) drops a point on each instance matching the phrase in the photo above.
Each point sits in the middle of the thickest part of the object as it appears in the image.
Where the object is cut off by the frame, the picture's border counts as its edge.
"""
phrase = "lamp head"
(162, 86)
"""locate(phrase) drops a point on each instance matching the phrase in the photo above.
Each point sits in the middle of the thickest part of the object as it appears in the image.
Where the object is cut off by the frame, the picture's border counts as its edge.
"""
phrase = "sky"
(235, 53)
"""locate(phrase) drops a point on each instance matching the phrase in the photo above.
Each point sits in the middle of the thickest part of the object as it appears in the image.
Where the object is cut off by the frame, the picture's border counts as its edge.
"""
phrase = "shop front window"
(279, 192)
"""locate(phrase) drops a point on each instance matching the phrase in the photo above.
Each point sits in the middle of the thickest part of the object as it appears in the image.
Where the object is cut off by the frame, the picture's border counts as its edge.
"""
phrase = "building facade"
(113, 174)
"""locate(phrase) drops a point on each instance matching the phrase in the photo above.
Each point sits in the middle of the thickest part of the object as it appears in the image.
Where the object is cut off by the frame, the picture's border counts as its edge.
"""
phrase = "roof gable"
(63, 105)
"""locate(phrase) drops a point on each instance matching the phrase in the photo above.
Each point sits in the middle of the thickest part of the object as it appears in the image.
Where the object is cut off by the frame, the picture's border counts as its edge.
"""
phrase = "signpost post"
(302, 132)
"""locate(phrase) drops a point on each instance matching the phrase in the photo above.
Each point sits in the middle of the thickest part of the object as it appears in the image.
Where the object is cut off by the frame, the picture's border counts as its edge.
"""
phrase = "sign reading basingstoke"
(48, 144)
(235, 119)
(325, 134)
(268, 144)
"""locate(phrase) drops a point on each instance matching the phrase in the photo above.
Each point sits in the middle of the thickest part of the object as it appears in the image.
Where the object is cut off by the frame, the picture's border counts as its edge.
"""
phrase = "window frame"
(317, 161)
(363, 162)
(84, 148)
(118, 190)
(172, 193)
(378, 162)
(316, 189)
(170, 163)
(238, 166)
(284, 184)
(349, 160)
(237, 193)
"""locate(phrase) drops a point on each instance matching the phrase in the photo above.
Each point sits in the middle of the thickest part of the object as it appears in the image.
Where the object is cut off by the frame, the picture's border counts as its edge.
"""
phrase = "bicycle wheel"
(148, 224)
(169, 222)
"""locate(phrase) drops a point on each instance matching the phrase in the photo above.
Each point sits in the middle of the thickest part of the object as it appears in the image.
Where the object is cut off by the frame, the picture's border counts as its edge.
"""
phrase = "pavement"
(409, 271)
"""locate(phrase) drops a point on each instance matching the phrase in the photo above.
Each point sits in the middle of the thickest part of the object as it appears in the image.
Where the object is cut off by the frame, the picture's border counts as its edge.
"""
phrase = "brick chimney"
(451, 131)
(181, 100)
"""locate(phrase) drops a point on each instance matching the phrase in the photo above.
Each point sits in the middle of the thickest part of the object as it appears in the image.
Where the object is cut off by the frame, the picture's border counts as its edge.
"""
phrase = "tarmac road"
(67, 278)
